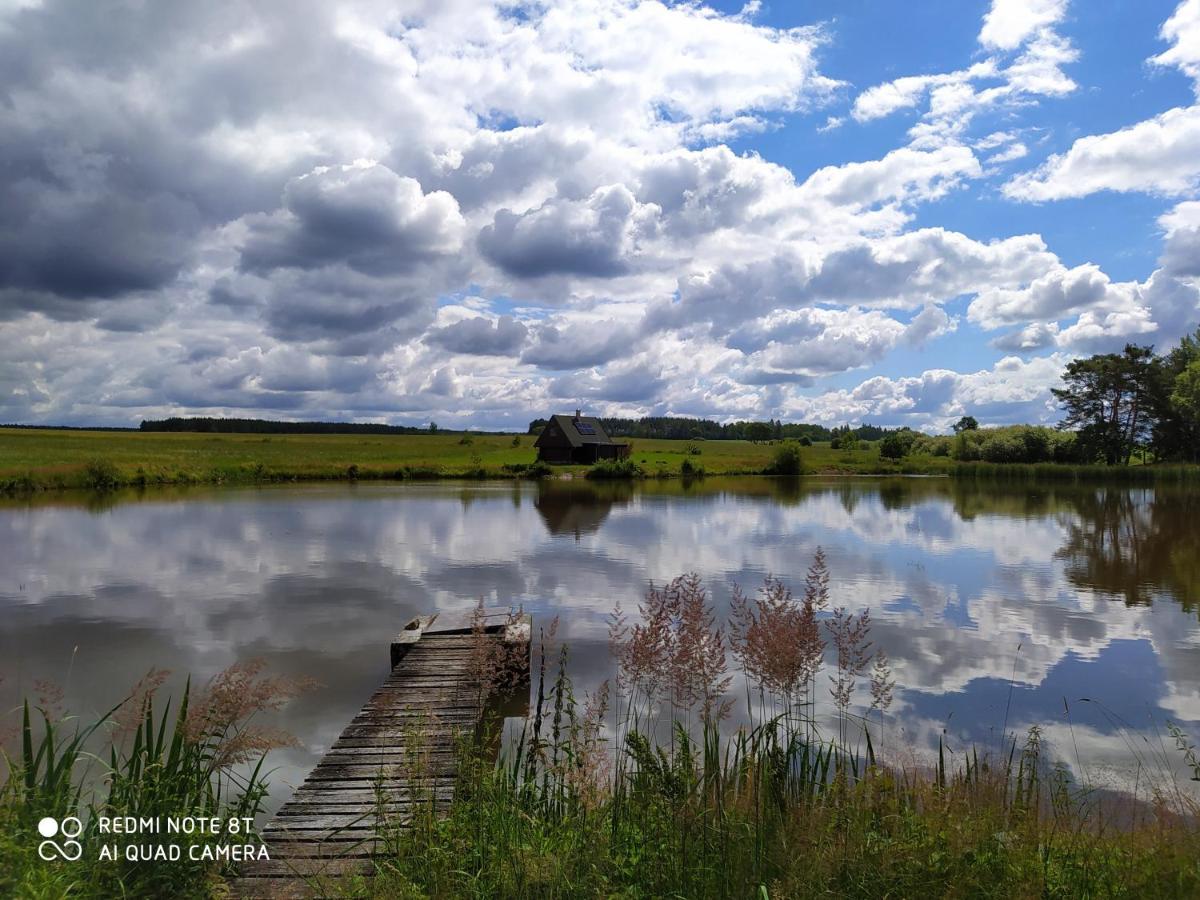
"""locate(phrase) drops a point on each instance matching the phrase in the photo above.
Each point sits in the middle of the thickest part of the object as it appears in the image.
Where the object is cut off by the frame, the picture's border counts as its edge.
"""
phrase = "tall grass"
(202, 757)
(609, 469)
(661, 800)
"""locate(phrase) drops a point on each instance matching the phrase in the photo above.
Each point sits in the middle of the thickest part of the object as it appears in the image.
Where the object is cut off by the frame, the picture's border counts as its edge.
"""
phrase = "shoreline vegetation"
(643, 787)
(199, 755)
(35, 460)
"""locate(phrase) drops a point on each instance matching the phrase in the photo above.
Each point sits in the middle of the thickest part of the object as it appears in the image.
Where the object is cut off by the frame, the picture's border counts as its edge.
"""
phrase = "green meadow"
(34, 459)
(38, 459)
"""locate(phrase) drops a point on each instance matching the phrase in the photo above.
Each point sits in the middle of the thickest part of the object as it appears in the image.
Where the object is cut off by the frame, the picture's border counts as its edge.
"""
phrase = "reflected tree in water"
(1136, 545)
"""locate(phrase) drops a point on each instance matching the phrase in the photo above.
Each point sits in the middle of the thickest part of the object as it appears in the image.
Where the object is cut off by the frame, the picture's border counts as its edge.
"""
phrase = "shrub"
(537, 469)
(101, 475)
(1036, 443)
(1015, 444)
(966, 447)
(18, 483)
(1003, 448)
(930, 445)
(786, 461)
(687, 468)
(806, 441)
(892, 447)
(1064, 448)
(615, 469)
(417, 472)
(476, 469)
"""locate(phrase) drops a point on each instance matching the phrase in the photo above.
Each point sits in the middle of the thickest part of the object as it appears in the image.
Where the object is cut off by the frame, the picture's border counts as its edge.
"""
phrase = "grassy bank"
(35, 460)
(773, 818)
(658, 799)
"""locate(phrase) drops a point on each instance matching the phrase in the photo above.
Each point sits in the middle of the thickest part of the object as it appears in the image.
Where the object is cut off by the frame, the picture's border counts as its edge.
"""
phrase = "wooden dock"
(399, 750)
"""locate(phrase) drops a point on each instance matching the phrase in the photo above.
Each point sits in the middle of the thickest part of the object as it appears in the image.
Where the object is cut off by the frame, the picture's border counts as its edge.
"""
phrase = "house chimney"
(577, 412)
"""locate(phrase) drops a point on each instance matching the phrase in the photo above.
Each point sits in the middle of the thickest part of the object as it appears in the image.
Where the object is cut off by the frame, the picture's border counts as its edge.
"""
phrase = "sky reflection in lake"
(1097, 587)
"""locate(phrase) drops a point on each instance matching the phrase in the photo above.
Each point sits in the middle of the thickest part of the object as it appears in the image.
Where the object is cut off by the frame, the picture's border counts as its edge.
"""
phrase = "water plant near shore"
(658, 788)
(680, 806)
(609, 469)
(202, 757)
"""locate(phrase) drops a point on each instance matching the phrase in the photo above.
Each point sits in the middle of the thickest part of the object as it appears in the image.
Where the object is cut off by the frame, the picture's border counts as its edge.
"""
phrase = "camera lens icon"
(69, 828)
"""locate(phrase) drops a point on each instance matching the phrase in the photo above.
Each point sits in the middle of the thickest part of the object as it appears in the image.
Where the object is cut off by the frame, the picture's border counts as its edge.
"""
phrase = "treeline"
(680, 428)
(68, 427)
(204, 424)
(1016, 444)
(1119, 404)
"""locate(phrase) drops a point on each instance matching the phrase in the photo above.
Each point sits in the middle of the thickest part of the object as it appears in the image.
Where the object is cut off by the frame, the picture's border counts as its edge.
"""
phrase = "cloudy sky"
(478, 213)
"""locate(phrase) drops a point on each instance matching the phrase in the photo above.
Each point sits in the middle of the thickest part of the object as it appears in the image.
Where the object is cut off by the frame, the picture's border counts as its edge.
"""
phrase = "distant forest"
(677, 428)
(668, 427)
(265, 426)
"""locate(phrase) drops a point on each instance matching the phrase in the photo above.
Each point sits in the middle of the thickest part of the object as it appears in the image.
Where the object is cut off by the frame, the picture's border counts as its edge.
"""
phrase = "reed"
(664, 800)
(201, 757)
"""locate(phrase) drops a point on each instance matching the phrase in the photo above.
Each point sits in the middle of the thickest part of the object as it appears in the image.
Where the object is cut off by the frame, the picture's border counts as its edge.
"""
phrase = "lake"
(1072, 607)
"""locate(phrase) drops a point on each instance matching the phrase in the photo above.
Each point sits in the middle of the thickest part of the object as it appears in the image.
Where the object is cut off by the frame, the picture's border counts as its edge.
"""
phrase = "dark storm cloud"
(499, 164)
(763, 377)
(368, 218)
(1172, 293)
(756, 335)
(296, 371)
(1181, 255)
(102, 190)
(336, 304)
(225, 293)
(200, 395)
(132, 315)
(480, 336)
(116, 144)
(699, 192)
(591, 237)
(856, 273)
(82, 248)
(580, 345)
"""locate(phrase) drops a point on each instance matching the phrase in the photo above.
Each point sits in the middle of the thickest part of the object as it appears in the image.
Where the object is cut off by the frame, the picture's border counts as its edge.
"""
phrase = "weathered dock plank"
(396, 756)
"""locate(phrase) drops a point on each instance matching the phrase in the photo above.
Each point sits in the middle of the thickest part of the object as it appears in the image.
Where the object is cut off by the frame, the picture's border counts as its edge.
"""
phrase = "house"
(577, 439)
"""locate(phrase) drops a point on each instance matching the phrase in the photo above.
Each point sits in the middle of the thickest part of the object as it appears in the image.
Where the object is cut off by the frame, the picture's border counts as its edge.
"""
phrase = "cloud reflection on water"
(1097, 586)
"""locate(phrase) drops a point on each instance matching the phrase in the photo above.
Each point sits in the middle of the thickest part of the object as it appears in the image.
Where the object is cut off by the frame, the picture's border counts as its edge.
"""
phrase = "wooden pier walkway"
(399, 749)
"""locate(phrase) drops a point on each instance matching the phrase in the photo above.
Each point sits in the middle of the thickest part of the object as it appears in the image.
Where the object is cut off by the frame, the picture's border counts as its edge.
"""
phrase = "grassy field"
(35, 459)
(47, 459)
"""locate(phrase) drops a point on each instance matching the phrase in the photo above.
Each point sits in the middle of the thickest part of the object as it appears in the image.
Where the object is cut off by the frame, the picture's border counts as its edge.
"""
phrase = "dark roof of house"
(578, 431)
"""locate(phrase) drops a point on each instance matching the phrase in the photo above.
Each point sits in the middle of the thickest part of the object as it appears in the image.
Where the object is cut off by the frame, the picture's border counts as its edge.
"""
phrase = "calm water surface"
(1068, 593)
